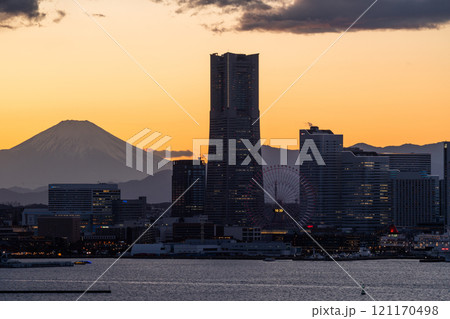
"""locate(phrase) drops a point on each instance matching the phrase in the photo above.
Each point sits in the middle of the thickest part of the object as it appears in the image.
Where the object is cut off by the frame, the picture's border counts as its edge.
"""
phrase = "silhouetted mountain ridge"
(436, 150)
(69, 152)
(82, 152)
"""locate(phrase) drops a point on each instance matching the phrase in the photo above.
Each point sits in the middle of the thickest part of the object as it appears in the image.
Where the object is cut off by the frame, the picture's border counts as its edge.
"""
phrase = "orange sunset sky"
(380, 87)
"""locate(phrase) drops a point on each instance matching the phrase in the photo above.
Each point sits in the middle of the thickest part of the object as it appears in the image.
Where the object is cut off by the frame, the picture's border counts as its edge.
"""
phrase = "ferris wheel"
(287, 194)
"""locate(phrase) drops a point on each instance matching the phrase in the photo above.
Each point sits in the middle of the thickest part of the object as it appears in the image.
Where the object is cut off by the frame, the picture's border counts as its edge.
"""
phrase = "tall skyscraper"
(365, 191)
(184, 174)
(447, 183)
(234, 109)
(325, 180)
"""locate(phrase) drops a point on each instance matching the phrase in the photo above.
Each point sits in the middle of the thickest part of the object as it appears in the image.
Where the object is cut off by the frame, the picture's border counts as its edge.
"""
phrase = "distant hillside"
(9, 197)
(436, 150)
(157, 188)
(69, 152)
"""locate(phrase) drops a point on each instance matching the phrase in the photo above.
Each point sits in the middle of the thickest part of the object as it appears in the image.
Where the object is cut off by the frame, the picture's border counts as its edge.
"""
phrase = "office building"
(325, 180)
(96, 198)
(129, 209)
(365, 191)
(234, 110)
(184, 174)
(415, 199)
(409, 162)
(93, 200)
(446, 203)
(442, 202)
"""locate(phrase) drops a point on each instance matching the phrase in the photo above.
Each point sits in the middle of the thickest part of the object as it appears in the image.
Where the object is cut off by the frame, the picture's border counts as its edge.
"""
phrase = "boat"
(5, 262)
(82, 262)
(363, 291)
(269, 259)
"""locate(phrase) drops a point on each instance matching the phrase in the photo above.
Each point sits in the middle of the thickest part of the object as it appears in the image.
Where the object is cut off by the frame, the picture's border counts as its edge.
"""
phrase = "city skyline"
(73, 82)
(226, 150)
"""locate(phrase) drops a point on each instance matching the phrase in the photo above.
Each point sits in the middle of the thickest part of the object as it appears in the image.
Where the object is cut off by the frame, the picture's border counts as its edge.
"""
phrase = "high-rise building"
(93, 201)
(414, 198)
(96, 198)
(184, 174)
(442, 202)
(409, 162)
(447, 183)
(234, 116)
(325, 180)
(365, 191)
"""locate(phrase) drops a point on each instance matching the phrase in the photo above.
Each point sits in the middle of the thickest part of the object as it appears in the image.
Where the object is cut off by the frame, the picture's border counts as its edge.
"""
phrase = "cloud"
(231, 5)
(215, 27)
(315, 16)
(61, 15)
(17, 13)
(175, 154)
(318, 16)
(13, 8)
(6, 26)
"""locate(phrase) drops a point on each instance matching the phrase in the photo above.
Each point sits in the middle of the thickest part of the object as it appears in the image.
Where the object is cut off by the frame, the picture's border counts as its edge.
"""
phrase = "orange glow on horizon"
(378, 87)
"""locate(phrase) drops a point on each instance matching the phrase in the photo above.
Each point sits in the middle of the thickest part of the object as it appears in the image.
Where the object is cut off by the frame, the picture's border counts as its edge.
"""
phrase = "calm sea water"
(146, 279)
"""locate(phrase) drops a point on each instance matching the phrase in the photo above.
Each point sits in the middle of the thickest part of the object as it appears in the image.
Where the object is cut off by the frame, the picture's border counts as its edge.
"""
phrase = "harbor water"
(191, 279)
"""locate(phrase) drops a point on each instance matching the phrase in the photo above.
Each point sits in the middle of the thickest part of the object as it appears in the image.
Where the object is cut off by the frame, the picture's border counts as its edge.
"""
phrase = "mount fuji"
(69, 152)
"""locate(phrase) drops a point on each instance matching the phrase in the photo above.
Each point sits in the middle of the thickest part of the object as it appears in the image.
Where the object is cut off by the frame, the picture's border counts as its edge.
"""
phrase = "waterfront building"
(446, 203)
(430, 241)
(230, 248)
(193, 230)
(30, 216)
(234, 116)
(95, 200)
(184, 174)
(442, 202)
(129, 209)
(364, 191)
(325, 180)
(243, 234)
(414, 199)
(60, 227)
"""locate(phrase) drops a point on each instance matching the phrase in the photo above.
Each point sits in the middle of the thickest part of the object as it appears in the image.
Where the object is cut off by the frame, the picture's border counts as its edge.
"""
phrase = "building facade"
(446, 203)
(415, 199)
(93, 200)
(409, 162)
(325, 180)
(184, 174)
(365, 191)
(234, 116)
(129, 209)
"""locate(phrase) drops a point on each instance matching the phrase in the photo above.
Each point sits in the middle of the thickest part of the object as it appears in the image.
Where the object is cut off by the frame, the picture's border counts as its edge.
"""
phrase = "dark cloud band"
(316, 16)
(14, 12)
(11, 8)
